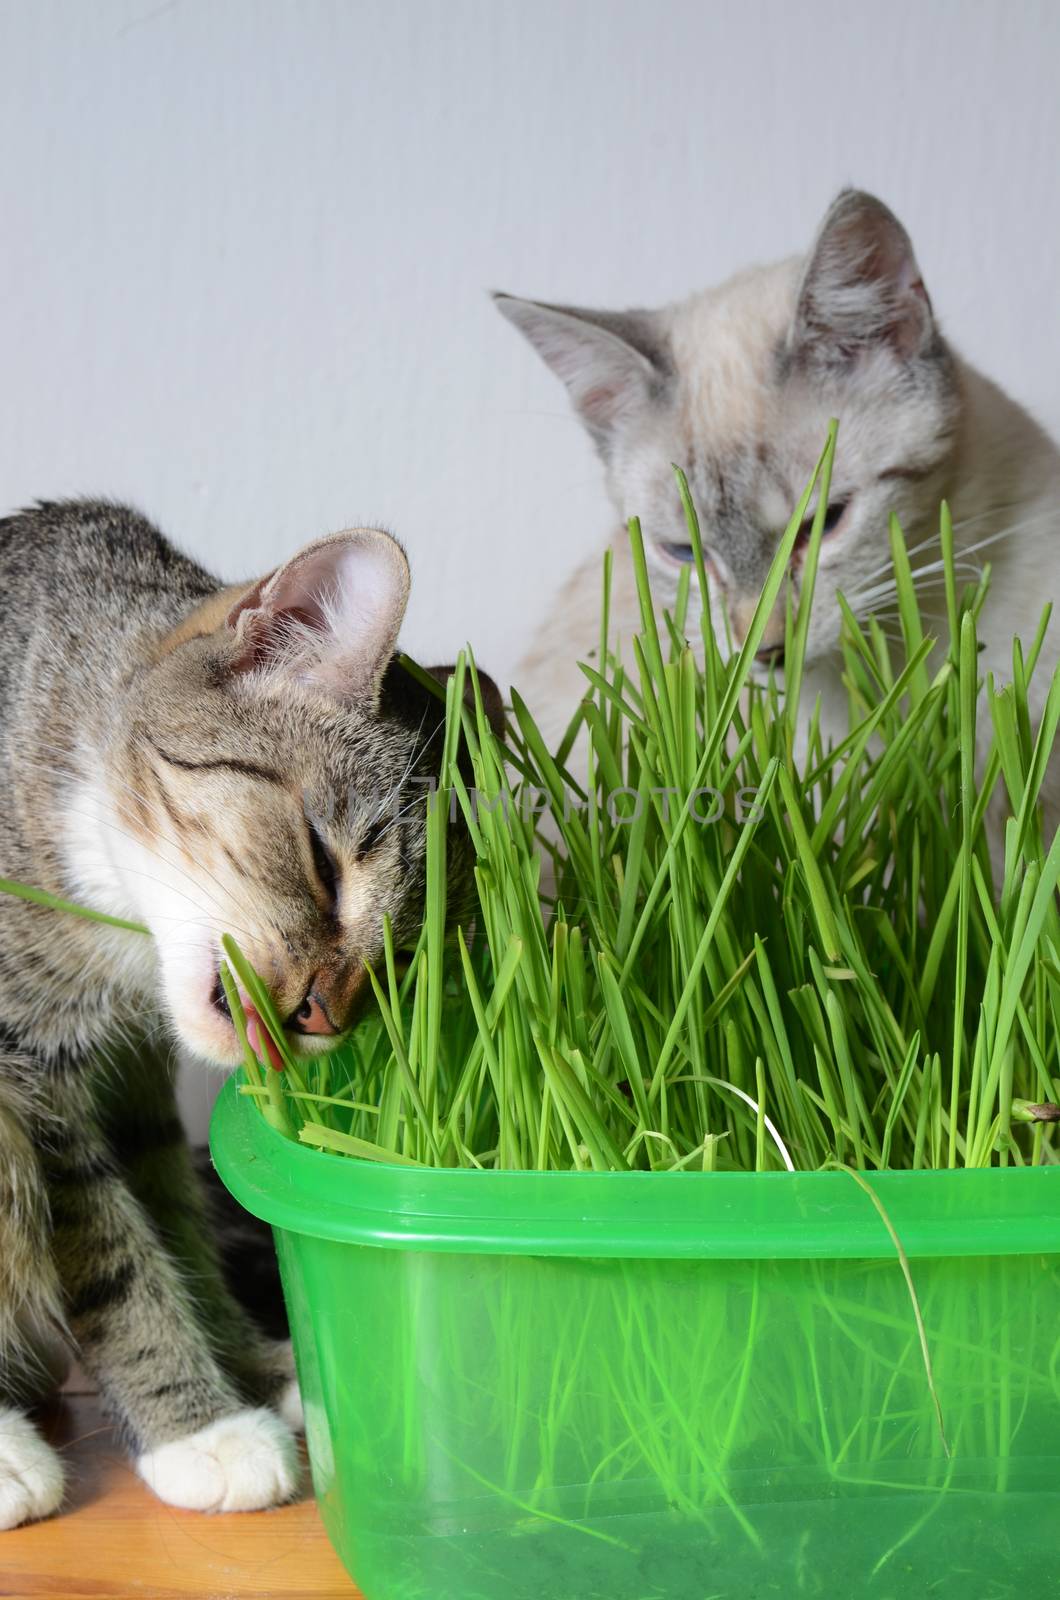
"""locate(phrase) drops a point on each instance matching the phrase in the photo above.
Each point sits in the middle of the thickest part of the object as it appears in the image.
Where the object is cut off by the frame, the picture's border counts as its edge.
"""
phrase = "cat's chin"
(210, 1037)
(198, 1006)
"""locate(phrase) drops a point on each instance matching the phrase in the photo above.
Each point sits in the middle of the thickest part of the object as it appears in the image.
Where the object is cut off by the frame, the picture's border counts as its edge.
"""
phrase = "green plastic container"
(526, 1386)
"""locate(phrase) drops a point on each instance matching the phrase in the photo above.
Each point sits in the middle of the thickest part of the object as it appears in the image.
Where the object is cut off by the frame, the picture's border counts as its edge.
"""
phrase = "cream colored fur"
(742, 382)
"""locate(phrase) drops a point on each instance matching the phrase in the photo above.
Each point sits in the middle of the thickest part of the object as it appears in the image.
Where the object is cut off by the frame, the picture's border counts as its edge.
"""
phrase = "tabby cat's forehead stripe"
(133, 801)
(233, 860)
(247, 769)
(180, 821)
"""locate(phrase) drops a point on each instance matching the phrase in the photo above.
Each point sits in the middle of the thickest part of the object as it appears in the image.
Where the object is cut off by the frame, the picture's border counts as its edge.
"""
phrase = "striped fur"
(202, 760)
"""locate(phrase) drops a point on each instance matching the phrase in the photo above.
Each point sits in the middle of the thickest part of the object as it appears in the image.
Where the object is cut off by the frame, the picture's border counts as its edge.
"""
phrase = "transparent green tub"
(529, 1386)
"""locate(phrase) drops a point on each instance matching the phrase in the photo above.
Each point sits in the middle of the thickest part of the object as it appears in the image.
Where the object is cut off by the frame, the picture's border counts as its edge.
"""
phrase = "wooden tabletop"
(114, 1540)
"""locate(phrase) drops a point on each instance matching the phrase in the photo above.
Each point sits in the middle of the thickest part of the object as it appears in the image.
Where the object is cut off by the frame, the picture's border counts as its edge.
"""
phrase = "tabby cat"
(199, 759)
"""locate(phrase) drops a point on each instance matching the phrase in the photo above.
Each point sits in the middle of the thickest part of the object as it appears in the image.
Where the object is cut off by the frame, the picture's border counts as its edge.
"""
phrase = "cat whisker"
(926, 577)
(998, 512)
(418, 799)
(201, 910)
(136, 795)
(153, 849)
(236, 899)
(417, 753)
(1008, 531)
(165, 1025)
(887, 569)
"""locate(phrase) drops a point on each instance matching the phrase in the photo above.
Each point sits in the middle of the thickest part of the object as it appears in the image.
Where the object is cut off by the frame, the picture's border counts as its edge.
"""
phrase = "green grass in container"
(838, 981)
(828, 973)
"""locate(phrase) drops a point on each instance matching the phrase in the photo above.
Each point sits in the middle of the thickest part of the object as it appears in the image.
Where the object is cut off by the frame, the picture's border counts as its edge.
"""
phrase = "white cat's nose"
(741, 614)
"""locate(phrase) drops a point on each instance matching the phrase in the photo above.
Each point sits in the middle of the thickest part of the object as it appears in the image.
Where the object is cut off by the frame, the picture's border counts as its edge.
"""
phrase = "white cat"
(737, 385)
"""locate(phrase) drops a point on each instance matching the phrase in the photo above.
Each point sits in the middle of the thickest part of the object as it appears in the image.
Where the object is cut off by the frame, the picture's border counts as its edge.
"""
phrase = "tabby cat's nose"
(311, 1017)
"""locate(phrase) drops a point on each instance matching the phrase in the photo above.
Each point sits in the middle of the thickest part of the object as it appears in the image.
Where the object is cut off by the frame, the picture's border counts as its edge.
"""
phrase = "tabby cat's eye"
(371, 837)
(327, 868)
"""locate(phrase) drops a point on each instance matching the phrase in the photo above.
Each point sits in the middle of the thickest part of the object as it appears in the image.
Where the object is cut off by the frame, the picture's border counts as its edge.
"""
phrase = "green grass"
(829, 972)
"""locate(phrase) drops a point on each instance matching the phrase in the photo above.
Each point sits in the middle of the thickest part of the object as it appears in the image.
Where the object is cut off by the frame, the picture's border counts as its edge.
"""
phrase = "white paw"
(244, 1462)
(31, 1474)
(289, 1406)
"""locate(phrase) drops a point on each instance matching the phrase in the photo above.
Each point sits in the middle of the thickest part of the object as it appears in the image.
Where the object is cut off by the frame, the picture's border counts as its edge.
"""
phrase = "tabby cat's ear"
(615, 364)
(861, 287)
(330, 616)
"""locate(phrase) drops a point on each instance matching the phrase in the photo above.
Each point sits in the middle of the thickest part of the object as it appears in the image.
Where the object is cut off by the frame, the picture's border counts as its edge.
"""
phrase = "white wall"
(244, 244)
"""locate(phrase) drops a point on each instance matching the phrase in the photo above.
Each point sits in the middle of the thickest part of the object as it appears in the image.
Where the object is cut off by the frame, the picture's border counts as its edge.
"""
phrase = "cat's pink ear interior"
(613, 363)
(861, 286)
(330, 616)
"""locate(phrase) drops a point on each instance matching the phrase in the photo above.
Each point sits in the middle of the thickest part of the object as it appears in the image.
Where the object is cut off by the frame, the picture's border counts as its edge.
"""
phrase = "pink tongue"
(261, 1040)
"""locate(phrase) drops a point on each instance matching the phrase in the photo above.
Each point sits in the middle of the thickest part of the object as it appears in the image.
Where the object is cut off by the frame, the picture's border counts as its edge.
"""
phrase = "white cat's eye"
(684, 555)
(832, 518)
(678, 552)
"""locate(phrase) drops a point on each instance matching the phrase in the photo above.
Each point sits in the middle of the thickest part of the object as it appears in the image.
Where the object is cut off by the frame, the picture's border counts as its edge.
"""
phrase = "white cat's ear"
(330, 616)
(615, 364)
(861, 286)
